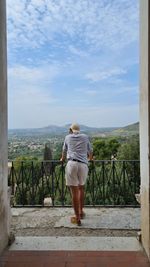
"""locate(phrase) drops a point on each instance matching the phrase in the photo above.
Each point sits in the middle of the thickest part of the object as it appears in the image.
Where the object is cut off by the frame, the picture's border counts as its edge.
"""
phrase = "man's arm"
(63, 156)
(90, 151)
(64, 151)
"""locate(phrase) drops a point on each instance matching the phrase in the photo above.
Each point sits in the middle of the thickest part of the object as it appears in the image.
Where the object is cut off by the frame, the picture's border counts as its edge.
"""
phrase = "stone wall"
(145, 122)
(4, 208)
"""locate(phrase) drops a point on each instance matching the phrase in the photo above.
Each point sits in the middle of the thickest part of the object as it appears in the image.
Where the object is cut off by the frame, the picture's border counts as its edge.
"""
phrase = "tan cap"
(75, 127)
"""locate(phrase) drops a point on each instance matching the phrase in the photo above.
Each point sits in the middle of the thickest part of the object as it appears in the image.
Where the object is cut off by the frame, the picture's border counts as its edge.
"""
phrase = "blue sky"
(73, 61)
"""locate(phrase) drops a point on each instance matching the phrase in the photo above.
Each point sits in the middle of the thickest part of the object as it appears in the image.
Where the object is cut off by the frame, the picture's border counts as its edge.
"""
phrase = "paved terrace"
(56, 222)
(46, 238)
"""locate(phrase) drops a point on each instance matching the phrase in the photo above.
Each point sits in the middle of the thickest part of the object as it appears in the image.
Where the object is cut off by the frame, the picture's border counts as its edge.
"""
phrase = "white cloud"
(91, 92)
(78, 52)
(74, 43)
(103, 75)
(112, 24)
(127, 89)
(30, 87)
(86, 91)
(32, 74)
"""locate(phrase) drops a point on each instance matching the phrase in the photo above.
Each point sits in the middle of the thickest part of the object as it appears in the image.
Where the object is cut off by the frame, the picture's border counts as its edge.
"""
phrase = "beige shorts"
(76, 173)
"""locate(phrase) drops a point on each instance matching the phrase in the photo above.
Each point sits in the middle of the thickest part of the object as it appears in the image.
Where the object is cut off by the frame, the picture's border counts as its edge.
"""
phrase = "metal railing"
(109, 183)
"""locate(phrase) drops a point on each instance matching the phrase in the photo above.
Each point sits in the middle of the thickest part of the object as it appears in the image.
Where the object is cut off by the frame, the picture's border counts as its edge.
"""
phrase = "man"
(78, 151)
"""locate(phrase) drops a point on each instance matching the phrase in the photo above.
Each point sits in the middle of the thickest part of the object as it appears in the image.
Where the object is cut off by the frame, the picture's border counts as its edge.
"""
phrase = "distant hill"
(131, 129)
(60, 130)
(54, 130)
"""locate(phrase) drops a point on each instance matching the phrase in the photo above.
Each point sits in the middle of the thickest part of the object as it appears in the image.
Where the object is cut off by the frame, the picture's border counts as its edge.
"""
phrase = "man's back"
(77, 146)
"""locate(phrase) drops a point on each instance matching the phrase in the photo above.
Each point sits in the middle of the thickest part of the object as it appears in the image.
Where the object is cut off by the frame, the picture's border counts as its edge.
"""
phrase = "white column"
(145, 122)
(4, 209)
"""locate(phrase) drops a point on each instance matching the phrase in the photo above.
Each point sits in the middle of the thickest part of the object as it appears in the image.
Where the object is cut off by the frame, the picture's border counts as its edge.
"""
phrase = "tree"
(47, 152)
(130, 150)
(47, 158)
(104, 148)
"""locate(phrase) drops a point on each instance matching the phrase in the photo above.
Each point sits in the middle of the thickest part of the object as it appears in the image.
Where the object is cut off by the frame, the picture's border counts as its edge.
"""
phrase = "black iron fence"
(109, 183)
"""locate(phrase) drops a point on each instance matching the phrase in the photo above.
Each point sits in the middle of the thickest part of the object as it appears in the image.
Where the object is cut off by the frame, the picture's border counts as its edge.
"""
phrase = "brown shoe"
(74, 220)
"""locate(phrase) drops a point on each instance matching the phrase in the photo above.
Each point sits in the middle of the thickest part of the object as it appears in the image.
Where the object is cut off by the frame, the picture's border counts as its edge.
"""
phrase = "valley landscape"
(31, 142)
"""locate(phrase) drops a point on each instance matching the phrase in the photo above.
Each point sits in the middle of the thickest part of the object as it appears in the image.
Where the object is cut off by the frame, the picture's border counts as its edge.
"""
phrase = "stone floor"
(46, 238)
(56, 222)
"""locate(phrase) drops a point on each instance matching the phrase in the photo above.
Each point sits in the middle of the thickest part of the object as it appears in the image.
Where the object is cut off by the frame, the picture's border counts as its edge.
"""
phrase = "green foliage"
(58, 151)
(129, 150)
(26, 158)
(24, 161)
(104, 148)
(113, 183)
(125, 148)
(109, 182)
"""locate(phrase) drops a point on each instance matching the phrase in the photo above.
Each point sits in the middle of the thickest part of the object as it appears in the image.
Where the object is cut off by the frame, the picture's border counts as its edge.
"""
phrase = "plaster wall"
(4, 209)
(145, 124)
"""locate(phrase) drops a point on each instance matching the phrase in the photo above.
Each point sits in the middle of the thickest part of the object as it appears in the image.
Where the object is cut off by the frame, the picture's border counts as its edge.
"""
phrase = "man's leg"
(81, 199)
(75, 200)
(82, 175)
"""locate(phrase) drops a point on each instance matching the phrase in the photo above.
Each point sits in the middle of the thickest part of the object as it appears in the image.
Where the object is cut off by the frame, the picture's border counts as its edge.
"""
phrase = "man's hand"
(90, 157)
(62, 158)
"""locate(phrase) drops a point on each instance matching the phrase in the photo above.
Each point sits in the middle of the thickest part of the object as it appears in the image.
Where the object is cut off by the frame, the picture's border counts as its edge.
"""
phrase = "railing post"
(12, 173)
(113, 172)
(93, 189)
(53, 187)
(62, 184)
(103, 180)
(42, 172)
(32, 172)
(124, 180)
(134, 177)
(22, 195)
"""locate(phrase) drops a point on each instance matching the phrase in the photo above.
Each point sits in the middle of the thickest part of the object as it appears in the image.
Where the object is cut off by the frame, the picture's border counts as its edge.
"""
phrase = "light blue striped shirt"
(77, 146)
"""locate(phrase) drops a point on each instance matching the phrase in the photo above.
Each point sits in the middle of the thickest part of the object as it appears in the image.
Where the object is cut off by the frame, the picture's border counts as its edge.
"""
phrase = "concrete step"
(75, 243)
